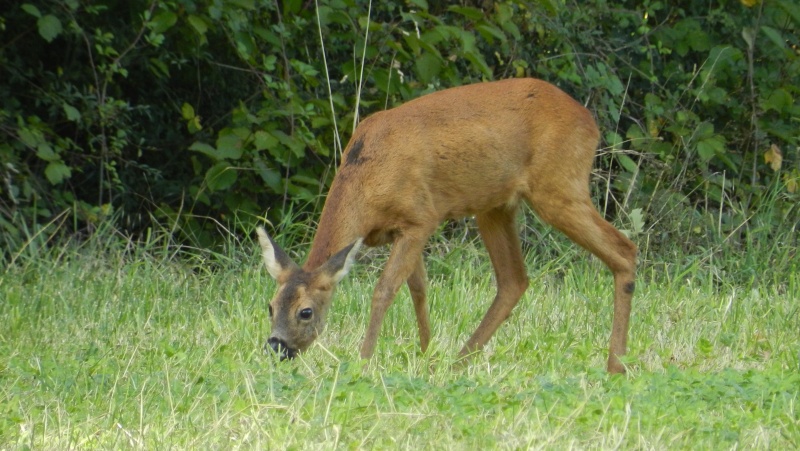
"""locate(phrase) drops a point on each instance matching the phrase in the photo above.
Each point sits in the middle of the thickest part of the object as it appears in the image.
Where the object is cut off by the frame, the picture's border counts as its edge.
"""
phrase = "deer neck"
(338, 227)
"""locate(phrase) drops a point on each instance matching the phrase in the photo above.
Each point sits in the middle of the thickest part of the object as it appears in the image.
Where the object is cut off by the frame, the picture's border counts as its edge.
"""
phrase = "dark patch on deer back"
(354, 156)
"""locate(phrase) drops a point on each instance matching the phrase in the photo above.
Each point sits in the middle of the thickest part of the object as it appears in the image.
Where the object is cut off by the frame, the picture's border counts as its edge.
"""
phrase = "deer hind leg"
(581, 222)
(497, 228)
(402, 264)
(416, 285)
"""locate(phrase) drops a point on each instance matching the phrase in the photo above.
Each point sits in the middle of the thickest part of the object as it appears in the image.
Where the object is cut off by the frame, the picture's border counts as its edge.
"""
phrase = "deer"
(477, 150)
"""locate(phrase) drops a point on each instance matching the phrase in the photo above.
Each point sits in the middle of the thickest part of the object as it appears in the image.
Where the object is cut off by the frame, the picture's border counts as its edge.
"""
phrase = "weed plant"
(111, 345)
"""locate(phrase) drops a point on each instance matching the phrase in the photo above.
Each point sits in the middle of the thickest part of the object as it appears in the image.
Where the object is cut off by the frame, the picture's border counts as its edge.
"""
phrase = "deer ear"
(275, 259)
(339, 265)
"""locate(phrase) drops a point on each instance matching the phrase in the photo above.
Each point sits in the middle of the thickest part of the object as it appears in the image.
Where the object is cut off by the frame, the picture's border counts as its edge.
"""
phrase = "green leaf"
(705, 150)
(46, 153)
(229, 146)
(438, 34)
(428, 67)
(220, 176)
(205, 149)
(322, 121)
(72, 113)
(187, 111)
(163, 21)
(637, 220)
(264, 140)
(30, 137)
(636, 136)
(245, 44)
(49, 27)
(711, 146)
(294, 144)
(299, 192)
(477, 60)
(778, 100)
(704, 130)
(32, 10)
(198, 24)
(792, 9)
(420, 3)
(627, 162)
(774, 36)
(269, 62)
(158, 67)
(270, 176)
(467, 11)
(749, 36)
(56, 172)
(192, 120)
(503, 13)
(194, 125)
(306, 70)
(489, 31)
(614, 140)
(468, 42)
(551, 6)
(298, 178)
(512, 29)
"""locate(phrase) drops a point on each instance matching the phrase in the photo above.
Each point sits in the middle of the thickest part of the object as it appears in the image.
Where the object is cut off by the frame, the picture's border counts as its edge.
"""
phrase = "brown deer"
(475, 150)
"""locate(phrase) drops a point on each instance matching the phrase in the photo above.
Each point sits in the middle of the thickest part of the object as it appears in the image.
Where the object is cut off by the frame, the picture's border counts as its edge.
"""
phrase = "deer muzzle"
(280, 347)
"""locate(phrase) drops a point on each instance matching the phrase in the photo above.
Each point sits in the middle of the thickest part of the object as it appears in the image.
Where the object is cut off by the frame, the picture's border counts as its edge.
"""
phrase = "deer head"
(300, 306)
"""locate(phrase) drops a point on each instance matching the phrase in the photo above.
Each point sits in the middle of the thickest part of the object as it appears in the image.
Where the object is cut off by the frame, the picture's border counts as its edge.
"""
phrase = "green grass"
(130, 350)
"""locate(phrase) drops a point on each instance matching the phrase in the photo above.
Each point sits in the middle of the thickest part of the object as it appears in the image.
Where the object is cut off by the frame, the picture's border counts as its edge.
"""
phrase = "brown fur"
(477, 150)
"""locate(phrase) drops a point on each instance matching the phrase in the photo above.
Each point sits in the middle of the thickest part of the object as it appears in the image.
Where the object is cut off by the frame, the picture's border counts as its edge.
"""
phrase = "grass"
(127, 349)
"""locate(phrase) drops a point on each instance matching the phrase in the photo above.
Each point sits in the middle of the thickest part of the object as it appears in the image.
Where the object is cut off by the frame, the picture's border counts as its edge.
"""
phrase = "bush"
(201, 115)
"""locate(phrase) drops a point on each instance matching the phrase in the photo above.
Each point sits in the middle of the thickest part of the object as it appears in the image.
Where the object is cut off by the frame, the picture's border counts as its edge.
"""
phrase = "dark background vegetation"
(204, 117)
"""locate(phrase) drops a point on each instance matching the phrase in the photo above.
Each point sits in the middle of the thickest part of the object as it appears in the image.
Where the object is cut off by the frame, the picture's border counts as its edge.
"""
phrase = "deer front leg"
(403, 260)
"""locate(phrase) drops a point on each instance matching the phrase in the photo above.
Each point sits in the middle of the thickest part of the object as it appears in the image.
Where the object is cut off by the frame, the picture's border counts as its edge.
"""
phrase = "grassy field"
(118, 349)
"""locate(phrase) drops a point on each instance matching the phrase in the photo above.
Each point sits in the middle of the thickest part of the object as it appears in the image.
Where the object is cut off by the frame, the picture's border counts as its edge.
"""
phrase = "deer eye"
(270, 311)
(306, 313)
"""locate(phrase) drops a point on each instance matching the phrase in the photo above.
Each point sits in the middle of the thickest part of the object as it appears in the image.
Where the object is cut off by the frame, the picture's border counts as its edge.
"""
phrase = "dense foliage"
(200, 114)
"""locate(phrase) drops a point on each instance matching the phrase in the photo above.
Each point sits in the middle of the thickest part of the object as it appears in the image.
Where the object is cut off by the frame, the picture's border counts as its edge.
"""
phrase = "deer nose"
(280, 347)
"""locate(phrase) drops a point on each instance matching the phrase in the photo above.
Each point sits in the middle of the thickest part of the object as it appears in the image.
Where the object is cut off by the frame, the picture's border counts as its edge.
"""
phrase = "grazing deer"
(476, 150)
